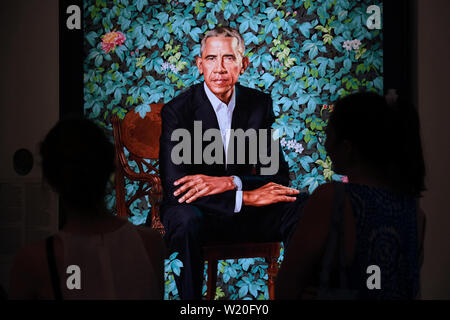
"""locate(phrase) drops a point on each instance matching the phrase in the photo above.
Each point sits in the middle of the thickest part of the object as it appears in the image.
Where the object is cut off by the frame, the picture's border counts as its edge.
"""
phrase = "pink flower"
(111, 40)
(344, 179)
(132, 53)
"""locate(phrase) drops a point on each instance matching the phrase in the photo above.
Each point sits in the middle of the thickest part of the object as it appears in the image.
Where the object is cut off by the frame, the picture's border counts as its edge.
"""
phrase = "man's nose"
(219, 67)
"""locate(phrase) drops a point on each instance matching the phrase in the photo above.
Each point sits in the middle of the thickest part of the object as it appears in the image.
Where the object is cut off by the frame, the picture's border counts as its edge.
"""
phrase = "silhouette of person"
(112, 258)
(377, 146)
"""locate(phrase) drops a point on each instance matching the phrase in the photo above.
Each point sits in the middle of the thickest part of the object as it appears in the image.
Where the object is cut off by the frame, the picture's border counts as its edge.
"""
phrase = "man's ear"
(199, 61)
(245, 63)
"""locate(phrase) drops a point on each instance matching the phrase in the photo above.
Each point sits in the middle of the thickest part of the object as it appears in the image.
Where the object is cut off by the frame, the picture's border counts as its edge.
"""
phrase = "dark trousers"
(187, 228)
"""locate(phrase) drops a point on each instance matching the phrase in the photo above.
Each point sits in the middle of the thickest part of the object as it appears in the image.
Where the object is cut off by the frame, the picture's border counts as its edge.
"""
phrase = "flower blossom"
(355, 44)
(111, 40)
(292, 144)
(167, 65)
(348, 45)
(351, 44)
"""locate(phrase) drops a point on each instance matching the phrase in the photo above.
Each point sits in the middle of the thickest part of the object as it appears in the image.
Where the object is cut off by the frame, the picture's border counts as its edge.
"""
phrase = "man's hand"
(200, 185)
(268, 194)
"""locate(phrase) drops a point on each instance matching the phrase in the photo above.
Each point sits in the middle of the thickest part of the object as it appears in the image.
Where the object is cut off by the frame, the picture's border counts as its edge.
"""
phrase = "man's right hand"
(268, 194)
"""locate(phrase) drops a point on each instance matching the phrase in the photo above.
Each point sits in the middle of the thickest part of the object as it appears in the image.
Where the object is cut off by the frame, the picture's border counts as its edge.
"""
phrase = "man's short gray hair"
(224, 32)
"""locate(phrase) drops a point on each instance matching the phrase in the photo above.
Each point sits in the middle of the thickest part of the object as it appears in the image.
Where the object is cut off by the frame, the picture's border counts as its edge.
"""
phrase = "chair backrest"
(140, 136)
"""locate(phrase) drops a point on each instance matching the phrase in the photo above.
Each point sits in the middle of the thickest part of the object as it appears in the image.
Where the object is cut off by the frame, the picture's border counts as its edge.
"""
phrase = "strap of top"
(52, 268)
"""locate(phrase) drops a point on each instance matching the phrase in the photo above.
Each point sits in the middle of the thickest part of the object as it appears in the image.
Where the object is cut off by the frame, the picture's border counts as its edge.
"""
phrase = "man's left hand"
(200, 185)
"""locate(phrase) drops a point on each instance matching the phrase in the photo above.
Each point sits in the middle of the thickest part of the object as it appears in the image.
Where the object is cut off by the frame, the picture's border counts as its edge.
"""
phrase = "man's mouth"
(220, 81)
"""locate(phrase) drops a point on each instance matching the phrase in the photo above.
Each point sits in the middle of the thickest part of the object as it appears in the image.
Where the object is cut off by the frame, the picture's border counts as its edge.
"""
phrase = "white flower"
(355, 44)
(299, 148)
(173, 68)
(165, 66)
(347, 45)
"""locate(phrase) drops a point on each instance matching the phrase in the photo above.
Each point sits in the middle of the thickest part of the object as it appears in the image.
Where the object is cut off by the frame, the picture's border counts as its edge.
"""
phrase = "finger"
(183, 180)
(187, 185)
(187, 195)
(201, 193)
(287, 191)
(286, 199)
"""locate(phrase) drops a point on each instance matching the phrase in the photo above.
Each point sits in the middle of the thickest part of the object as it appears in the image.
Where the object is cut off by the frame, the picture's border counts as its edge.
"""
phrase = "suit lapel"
(204, 111)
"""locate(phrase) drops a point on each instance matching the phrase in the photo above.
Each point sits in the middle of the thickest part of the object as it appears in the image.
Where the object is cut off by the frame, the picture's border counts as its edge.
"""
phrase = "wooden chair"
(140, 136)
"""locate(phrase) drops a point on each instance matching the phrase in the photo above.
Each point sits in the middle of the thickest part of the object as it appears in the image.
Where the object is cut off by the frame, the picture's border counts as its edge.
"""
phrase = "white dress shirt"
(224, 114)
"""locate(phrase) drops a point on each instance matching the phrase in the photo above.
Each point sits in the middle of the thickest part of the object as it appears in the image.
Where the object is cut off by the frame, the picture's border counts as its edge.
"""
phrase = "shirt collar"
(215, 102)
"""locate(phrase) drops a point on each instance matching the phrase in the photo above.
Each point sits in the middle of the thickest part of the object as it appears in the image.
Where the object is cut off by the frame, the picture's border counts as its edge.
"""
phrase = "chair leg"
(212, 279)
(272, 272)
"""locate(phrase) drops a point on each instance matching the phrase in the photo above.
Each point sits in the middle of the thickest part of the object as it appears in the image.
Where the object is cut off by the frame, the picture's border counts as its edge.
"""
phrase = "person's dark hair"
(386, 136)
(77, 161)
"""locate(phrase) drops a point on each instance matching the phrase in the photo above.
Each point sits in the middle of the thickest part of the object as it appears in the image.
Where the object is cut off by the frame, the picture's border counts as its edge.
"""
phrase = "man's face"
(221, 63)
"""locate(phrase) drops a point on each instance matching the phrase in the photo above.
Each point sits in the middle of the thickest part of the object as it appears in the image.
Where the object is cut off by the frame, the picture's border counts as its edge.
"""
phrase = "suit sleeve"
(251, 182)
(222, 204)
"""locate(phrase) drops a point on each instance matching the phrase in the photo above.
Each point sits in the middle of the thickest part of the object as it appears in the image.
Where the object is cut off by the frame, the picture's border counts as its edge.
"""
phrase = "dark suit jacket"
(253, 110)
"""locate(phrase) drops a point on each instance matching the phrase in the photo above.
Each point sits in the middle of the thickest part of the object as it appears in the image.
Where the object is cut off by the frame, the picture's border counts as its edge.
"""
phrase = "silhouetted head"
(363, 130)
(77, 161)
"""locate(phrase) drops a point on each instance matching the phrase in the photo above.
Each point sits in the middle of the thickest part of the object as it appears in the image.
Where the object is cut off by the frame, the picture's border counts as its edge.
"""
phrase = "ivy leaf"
(90, 37)
(243, 27)
(271, 13)
(142, 110)
(194, 34)
(304, 29)
(140, 4)
(243, 291)
(98, 60)
(268, 79)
